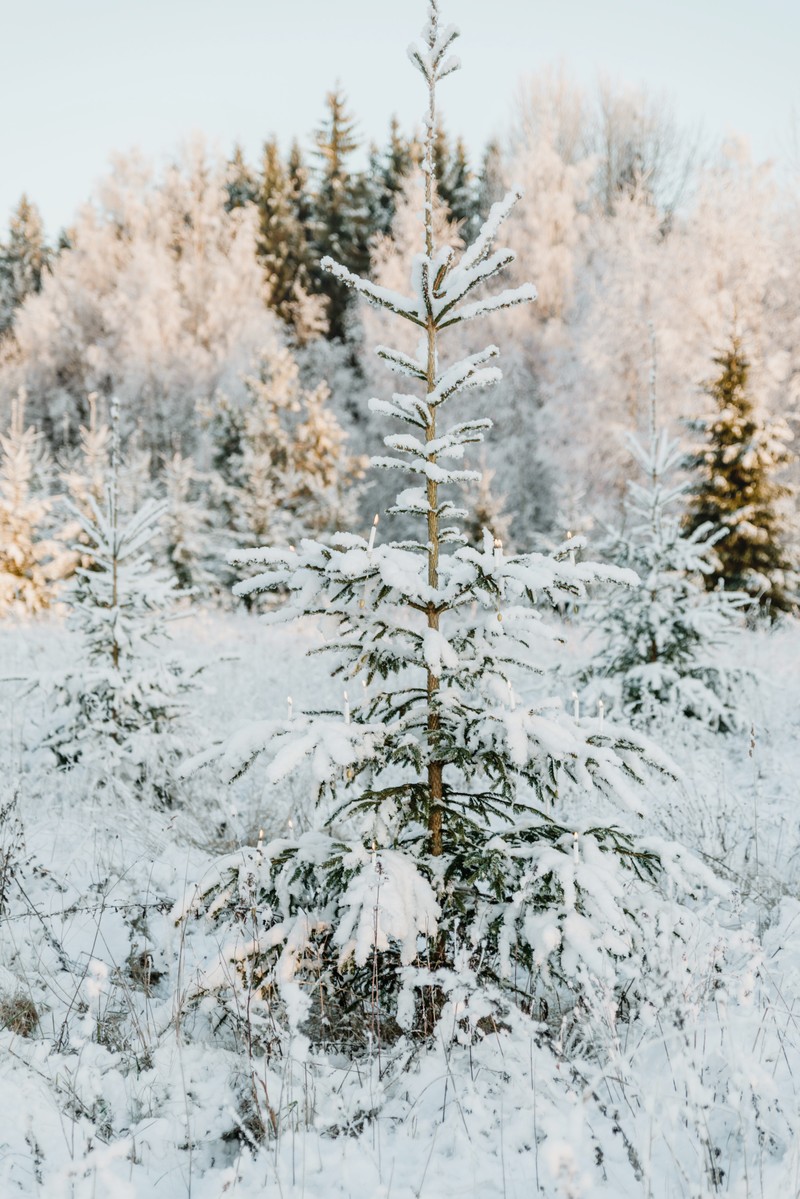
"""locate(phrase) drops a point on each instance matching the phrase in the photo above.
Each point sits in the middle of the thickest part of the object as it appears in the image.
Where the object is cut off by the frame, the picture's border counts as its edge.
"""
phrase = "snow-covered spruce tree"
(737, 490)
(32, 560)
(658, 641)
(469, 843)
(117, 709)
(188, 537)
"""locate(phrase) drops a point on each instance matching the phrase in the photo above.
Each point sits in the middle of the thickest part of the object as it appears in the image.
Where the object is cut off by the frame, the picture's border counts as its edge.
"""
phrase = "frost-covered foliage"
(464, 828)
(32, 560)
(737, 487)
(188, 537)
(118, 708)
(659, 642)
(159, 301)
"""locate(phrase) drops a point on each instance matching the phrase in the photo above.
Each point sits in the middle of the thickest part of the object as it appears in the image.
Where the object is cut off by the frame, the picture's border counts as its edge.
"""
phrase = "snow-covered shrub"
(118, 707)
(188, 536)
(659, 644)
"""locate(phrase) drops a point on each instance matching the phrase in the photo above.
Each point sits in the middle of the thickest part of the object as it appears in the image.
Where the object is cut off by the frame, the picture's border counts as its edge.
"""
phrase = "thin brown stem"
(435, 768)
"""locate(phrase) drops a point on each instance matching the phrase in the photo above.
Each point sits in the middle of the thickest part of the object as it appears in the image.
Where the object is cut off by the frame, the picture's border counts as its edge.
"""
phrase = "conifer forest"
(400, 662)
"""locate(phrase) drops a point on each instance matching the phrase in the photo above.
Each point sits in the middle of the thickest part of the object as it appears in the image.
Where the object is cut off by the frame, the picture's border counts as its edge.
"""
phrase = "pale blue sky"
(81, 78)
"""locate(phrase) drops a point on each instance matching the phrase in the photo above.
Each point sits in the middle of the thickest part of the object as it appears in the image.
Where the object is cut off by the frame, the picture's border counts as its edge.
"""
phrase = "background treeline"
(193, 294)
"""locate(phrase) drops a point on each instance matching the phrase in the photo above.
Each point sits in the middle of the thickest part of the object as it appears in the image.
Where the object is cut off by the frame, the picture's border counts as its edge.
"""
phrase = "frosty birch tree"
(454, 815)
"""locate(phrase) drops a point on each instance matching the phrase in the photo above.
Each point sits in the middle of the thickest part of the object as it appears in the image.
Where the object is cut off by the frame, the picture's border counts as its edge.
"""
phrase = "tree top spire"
(430, 55)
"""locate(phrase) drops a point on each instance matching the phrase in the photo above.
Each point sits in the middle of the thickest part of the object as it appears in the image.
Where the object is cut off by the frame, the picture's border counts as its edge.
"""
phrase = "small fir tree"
(658, 641)
(32, 560)
(737, 490)
(85, 472)
(118, 708)
(468, 840)
(188, 537)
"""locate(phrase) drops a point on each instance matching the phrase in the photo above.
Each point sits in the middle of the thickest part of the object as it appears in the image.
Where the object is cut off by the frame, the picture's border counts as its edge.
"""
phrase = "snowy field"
(120, 1076)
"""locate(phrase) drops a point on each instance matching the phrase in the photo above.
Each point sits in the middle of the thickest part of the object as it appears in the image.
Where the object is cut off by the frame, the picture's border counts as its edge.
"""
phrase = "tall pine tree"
(283, 249)
(340, 220)
(23, 260)
(737, 489)
(390, 167)
(240, 184)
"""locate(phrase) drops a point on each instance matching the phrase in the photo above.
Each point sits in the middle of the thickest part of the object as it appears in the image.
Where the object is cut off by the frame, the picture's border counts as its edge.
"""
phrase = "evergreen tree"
(454, 179)
(298, 179)
(340, 224)
(736, 489)
(241, 185)
(282, 248)
(32, 561)
(187, 530)
(658, 642)
(24, 260)
(85, 473)
(117, 708)
(389, 170)
(467, 840)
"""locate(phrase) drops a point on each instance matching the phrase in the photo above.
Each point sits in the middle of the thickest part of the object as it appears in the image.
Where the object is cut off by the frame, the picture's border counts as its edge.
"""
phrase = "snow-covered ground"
(122, 1077)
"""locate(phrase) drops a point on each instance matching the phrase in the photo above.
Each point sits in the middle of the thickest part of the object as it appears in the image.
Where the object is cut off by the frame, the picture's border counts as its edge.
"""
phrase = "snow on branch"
(407, 408)
(331, 744)
(506, 299)
(430, 56)
(480, 249)
(380, 297)
(431, 470)
(463, 281)
(466, 374)
(450, 444)
(400, 363)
